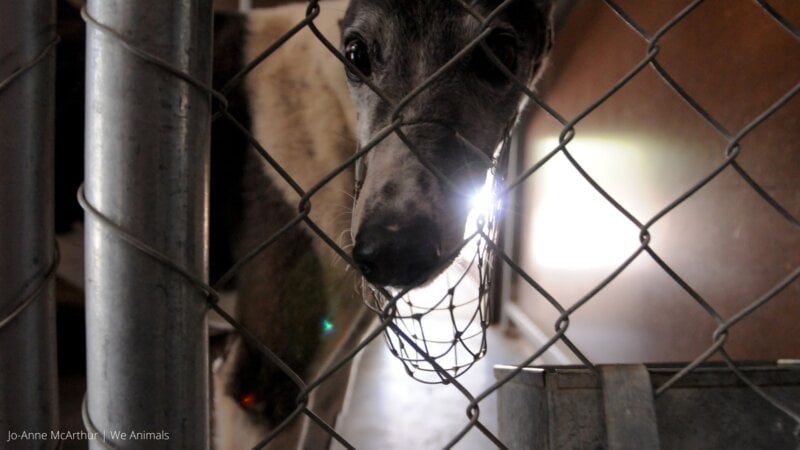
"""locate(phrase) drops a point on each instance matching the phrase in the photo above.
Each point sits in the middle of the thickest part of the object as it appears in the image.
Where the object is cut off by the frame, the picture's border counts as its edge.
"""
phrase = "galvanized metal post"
(28, 384)
(147, 156)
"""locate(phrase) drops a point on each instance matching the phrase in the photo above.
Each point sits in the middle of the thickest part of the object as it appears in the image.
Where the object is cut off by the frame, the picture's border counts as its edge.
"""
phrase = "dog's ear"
(546, 10)
(533, 19)
(545, 6)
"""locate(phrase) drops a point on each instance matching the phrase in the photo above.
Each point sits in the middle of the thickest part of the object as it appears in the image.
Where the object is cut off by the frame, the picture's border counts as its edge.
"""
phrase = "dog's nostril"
(365, 254)
(397, 255)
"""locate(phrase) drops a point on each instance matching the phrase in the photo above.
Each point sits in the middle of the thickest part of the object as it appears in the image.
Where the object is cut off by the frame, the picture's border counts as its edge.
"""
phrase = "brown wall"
(646, 147)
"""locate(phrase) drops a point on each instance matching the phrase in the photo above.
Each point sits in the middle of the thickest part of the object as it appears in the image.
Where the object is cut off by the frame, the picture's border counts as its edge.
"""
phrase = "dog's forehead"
(417, 15)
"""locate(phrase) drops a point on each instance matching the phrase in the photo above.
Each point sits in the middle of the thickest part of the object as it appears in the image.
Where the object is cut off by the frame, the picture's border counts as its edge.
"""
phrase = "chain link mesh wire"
(401, 319)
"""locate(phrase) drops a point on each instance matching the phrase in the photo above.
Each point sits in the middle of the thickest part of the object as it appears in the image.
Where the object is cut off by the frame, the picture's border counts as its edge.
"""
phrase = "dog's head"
(413, 203)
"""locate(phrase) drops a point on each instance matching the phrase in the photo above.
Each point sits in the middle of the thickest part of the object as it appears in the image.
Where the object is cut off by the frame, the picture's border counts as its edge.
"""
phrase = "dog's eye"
(504, 47)
(357, 52)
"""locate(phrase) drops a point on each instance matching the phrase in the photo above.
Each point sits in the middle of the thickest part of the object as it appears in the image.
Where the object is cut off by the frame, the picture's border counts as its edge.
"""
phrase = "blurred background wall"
(646, 146)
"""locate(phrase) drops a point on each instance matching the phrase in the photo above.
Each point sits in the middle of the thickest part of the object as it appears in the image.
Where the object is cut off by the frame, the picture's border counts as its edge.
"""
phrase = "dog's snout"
(395, 254)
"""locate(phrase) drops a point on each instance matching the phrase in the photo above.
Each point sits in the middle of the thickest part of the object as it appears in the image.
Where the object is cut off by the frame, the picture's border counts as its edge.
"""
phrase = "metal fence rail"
(126, 242)
(147, 335)
(27, 245)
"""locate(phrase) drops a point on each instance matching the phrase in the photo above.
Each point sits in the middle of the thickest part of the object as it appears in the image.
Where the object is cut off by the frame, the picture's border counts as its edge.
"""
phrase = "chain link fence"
(407, 342)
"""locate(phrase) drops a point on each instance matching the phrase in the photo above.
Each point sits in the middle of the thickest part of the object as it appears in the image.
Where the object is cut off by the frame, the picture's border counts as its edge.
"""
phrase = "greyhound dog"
(311, 112)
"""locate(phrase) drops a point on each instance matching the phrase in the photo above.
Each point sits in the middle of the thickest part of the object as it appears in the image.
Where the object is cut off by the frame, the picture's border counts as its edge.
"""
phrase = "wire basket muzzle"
(438, 331)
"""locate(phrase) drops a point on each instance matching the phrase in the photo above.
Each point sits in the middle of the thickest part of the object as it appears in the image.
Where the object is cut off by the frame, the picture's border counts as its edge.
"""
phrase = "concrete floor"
(387, 409)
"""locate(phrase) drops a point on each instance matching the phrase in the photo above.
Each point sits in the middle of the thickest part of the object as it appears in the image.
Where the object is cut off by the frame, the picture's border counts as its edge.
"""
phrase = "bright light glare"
(483, 200)
(483, 204)
(571, 224)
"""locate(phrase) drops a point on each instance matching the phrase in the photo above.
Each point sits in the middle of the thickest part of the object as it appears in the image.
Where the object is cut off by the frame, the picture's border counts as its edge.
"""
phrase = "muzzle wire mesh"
(446, 319)
(402, 321)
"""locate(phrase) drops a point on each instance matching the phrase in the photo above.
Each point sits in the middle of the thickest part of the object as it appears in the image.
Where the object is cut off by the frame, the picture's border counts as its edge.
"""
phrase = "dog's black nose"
(390, 254)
